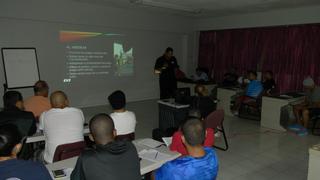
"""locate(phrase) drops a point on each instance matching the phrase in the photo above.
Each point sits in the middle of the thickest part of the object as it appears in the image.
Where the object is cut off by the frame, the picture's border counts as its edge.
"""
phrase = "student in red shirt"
(177, 144)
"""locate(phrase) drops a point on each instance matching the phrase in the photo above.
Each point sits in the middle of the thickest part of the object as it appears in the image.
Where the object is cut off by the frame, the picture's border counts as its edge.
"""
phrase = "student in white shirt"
(124, 121)
(61, 124)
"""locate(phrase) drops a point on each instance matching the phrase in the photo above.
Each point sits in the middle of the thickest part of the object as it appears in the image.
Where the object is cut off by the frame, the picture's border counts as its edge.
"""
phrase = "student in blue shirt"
(255, 87)
(200, 164)
(253, 91)
(10, 166)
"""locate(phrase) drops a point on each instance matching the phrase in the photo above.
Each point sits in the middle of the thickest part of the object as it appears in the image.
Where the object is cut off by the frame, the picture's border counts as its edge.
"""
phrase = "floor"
(254, 153)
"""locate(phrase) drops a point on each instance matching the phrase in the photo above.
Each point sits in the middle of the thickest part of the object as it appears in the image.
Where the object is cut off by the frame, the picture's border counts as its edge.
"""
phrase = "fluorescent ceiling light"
(154, 3)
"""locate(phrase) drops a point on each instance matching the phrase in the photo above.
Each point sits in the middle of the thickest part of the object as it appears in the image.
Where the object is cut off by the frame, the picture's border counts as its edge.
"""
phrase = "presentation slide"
(93, 54)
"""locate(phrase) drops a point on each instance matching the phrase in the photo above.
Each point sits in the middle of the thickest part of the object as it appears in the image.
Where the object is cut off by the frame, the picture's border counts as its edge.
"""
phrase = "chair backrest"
(70, 150)
(214, 119)
(126, 137)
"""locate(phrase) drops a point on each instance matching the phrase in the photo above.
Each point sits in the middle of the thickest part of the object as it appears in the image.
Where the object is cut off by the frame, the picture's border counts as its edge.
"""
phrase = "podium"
(171, 114)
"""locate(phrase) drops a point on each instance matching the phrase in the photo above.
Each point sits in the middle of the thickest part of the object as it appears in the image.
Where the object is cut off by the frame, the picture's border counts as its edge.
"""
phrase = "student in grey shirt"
(311, 105)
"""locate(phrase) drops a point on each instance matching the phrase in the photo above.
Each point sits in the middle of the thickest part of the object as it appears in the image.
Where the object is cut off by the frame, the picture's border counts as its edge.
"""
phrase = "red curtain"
(291, 52)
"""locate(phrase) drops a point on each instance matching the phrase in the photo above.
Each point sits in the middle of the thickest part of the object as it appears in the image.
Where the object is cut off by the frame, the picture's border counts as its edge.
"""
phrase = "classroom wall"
(301, 15)
(35, 23)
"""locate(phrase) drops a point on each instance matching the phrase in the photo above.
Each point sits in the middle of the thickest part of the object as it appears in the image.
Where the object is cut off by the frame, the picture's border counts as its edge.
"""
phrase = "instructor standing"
(166, 66)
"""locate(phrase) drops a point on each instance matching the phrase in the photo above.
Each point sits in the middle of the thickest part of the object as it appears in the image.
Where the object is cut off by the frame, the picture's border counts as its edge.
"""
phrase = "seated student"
(203, 101)
(13, 113)
(124, 121)
(253, 91)
(230, 78)
(61, 124)
(177, 144)
(255, 87)
(268, 83)
(10, 166)
(108, 159)
(38, 103)
(311, 105)
(201, 163)
(243, 80)
(200, 75)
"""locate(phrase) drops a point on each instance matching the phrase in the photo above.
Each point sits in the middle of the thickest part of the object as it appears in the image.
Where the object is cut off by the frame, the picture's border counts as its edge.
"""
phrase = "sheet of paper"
(150, 143)
(167, 141)
(154, 155)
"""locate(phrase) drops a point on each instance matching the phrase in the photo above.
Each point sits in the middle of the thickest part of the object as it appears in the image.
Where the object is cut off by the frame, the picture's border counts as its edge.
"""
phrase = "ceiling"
(209, 8)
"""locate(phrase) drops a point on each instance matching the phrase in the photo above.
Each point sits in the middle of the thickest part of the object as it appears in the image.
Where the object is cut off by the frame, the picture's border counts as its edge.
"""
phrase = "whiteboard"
(20, 67)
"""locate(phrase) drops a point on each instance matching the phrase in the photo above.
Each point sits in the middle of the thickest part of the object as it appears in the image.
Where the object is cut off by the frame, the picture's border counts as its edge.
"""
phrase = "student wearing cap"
(124, 121)
(311, 105)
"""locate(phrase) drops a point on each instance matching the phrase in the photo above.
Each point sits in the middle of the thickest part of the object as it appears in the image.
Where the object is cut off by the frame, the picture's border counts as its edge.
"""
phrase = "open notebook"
(154, 155)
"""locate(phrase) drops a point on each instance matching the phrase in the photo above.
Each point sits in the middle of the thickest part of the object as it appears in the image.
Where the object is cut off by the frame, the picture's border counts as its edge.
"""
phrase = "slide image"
(123, 60)
(96, 54)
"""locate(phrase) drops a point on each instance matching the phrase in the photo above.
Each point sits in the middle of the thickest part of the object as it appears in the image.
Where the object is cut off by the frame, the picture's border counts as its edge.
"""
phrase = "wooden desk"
(145, 165)
(271, 110)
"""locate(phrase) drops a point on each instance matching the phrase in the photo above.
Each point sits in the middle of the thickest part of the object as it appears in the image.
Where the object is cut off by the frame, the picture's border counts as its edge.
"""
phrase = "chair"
(65, 151)
(215, 121)
(251, 109)
(126, 137)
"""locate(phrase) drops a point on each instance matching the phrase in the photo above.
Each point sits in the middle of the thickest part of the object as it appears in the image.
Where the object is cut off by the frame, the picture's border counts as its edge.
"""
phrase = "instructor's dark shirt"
(167, 68)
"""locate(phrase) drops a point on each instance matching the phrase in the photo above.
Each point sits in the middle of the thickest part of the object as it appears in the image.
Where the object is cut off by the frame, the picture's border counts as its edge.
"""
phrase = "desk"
(314, 163)
(40, 136)
(191, 84)
(171, 113)
(145, 165)
(224, 99)
(271, 109)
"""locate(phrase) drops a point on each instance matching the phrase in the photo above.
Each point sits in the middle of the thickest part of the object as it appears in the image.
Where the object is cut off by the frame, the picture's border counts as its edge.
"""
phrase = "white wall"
(35, 23)
(272, 18)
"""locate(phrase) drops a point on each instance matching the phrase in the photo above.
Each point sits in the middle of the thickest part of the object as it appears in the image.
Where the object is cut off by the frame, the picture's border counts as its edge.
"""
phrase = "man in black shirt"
(268, 83)
(166, 66)
(13, 113)
(108, 159)
(230, 78)
(203, 101)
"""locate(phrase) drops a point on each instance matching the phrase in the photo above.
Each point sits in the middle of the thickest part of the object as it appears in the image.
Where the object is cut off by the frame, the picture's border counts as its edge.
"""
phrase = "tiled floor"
(259, 154)
(254, 153)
